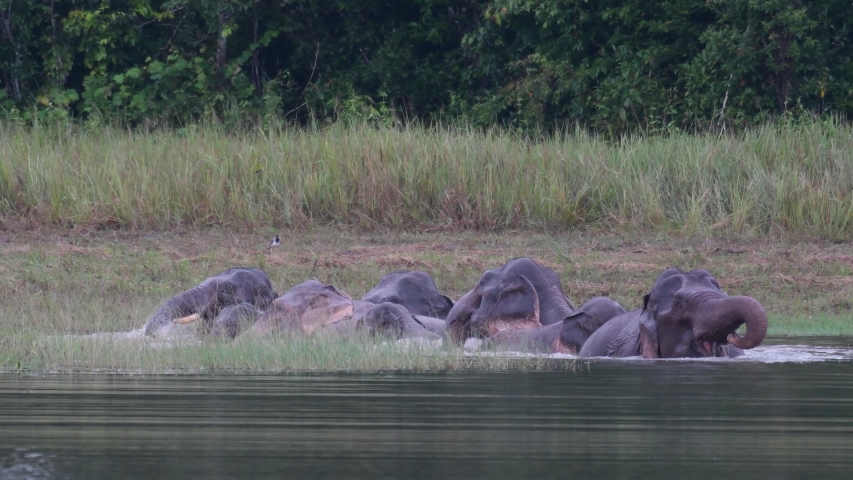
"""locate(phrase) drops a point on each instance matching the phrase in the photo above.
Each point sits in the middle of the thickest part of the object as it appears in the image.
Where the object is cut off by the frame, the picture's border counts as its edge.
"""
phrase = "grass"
(313, 354)
(56, 281)
(819, 324)
(795, 178)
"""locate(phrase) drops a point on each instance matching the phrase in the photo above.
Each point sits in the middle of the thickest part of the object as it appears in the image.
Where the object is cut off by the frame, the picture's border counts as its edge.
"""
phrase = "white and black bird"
(274, 243)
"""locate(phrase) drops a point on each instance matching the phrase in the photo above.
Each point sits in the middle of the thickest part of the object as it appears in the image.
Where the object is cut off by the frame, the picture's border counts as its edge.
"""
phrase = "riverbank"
(59, 281)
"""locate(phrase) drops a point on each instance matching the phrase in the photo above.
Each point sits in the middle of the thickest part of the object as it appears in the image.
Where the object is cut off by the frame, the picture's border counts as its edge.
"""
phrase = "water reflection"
(633, 419)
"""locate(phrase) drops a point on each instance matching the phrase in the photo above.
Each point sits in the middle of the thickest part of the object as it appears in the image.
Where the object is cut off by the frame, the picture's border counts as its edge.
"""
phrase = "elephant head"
(393, 321)
(686, 314)
(234, 319)
(207, 299)
(305, 308)
(520, 295)
(414, 290)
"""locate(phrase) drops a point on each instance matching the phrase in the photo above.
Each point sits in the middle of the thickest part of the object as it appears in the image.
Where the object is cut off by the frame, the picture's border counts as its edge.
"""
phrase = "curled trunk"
(722, 317)
(755, 318)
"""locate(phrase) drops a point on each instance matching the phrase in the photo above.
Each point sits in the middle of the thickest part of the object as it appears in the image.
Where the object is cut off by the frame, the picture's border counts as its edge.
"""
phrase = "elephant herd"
(519, 306)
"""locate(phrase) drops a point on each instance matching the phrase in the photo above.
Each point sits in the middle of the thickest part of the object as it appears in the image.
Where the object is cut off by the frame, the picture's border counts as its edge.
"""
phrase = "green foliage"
(612, 65)
(619, 65)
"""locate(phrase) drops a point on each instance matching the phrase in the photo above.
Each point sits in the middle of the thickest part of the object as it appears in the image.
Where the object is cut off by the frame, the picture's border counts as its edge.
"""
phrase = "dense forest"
(611, 65)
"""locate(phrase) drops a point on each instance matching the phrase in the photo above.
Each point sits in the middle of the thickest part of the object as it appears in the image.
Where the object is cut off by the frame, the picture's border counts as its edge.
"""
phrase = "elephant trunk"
(184, 307)
(456, 324)
(723, 316)
(755, 319)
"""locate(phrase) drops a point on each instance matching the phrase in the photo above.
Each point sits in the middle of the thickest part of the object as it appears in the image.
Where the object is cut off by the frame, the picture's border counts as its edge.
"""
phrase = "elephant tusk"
(188, 318)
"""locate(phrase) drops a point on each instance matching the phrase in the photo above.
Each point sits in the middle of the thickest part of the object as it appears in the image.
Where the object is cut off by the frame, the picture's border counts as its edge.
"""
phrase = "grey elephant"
(520, 294)
(566, 336)
(415, 290)
(234, 320)
(208, 299)
(685, 314)
(313, 307)
(511, 304)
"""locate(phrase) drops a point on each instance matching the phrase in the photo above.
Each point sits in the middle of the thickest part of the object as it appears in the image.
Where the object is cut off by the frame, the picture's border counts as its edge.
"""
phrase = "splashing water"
(798, 353)
(179, 338)
(775, 350)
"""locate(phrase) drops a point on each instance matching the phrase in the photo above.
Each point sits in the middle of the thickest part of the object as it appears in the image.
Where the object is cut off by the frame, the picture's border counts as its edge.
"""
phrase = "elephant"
(567, 336)
(519, 295)
(391, 320)
(685, 314)
(234, 320)
(312, 307)
(206, 300)
(414, 290)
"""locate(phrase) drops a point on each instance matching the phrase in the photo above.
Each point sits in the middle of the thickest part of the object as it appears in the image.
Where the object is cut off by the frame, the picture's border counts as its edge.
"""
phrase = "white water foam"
(763, 354)
(796, 354)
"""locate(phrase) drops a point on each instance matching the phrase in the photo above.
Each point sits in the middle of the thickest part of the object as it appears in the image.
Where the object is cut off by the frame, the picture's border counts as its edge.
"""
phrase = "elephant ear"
(441, 306)
(279, 317)
(577, 328)
(226, 293)
(649, 346)
(328, 307)
(316, 318)
(339, 292)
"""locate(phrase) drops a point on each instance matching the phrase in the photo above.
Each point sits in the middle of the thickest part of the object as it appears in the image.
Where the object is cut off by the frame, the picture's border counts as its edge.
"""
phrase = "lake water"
(786, 411)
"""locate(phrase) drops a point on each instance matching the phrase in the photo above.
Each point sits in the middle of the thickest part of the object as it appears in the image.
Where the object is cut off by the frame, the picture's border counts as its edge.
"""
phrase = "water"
(786, 412)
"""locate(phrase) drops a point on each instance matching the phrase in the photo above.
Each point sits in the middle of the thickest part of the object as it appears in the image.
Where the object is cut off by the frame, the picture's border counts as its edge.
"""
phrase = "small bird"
(274, 243)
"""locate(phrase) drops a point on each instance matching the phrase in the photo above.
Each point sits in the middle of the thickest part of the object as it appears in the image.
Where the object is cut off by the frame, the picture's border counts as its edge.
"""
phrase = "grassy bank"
(793, 178)
(58, 281)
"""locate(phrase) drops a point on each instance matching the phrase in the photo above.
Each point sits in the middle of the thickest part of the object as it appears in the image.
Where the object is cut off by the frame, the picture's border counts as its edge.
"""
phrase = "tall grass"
(794, 177)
